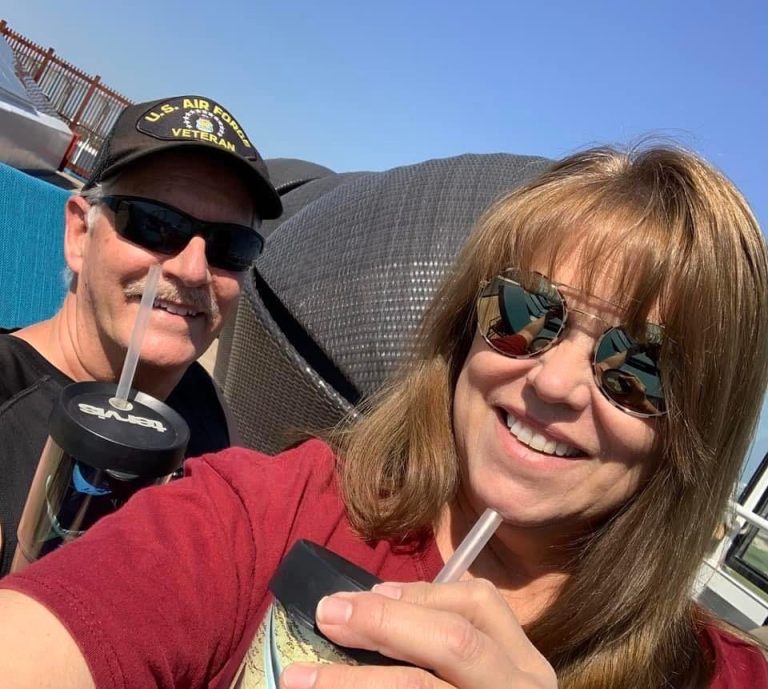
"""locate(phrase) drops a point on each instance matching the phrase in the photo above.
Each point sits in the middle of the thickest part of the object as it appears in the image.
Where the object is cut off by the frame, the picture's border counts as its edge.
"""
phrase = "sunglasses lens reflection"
(627, 371)
(519, 322)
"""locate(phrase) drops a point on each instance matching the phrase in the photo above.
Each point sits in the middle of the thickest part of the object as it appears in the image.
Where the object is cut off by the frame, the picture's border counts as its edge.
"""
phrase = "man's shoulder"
(196, 399)
(21, 365)
(196, 384)
(196, 371)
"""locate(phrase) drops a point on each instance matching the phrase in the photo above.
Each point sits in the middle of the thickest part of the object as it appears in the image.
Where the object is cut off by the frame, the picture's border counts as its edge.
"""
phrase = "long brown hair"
(686, 244)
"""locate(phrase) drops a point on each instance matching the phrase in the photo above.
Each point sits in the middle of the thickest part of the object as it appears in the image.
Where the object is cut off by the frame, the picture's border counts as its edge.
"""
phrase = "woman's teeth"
(537, 441)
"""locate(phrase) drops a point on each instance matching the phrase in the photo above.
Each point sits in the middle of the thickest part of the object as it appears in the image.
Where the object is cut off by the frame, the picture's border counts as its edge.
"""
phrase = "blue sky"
(370, 85)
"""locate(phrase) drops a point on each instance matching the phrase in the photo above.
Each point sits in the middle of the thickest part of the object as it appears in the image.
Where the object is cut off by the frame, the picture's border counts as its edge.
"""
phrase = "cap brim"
(268, 203)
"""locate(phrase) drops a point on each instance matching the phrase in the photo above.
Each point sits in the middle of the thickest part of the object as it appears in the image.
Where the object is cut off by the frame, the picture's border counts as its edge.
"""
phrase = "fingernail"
(298, 676)
(388, 591)
(332, 610)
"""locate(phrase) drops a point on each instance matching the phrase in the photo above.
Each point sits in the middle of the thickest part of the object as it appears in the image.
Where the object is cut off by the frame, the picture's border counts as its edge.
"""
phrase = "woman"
(609, 446)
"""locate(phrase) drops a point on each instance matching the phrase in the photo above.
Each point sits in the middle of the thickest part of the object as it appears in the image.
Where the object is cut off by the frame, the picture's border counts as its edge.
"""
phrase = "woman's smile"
(536, 438)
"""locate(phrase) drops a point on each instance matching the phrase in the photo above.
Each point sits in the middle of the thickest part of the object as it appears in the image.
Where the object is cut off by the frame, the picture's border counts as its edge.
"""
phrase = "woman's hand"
(464, 633)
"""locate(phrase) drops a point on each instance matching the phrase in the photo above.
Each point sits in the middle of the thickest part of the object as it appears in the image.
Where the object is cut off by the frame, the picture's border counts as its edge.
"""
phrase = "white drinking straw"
(120, 400)
(470, 547)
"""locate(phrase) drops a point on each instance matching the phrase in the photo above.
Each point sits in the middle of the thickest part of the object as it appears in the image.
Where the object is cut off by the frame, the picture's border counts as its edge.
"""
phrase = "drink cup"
(288, 632)
(97, 455)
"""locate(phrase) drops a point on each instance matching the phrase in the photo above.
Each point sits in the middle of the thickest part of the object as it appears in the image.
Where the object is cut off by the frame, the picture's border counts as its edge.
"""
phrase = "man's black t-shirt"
(29, 386)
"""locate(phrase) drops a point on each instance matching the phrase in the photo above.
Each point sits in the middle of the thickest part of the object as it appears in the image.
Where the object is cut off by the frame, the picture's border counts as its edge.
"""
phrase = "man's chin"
(171, 356)
(174, 348)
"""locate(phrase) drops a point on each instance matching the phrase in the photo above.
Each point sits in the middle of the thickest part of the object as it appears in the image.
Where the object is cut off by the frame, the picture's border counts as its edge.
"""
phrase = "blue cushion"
(31, 248)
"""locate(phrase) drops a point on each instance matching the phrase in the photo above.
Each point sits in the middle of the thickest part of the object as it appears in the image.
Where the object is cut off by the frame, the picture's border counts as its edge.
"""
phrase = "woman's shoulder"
(308, 468)
(238, 461)
(739, 662)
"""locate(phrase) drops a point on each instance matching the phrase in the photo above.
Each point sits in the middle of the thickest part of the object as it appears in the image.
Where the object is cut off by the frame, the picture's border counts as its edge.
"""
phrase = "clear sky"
(367, 85)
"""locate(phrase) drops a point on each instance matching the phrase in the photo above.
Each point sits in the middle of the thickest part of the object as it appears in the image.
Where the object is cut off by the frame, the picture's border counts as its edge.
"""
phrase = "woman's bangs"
(603, 248)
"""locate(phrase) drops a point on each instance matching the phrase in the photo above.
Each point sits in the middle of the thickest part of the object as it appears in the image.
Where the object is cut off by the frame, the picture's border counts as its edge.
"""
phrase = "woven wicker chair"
(330, 306)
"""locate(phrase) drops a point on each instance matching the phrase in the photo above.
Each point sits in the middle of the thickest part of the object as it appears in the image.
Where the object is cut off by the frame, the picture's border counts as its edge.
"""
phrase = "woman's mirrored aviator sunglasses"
(159, 227)
(522, 315)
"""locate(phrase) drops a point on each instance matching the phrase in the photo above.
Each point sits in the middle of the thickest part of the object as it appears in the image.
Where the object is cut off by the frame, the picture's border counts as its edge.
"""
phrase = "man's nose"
(563, 373)
(189, 266)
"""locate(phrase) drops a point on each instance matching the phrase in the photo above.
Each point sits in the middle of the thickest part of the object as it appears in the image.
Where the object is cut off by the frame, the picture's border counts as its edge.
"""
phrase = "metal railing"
(750, 516)
(89, 107)
(719, 575)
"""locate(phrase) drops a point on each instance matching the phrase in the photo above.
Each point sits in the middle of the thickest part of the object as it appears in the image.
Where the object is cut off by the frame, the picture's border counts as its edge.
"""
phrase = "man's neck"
(81, 355)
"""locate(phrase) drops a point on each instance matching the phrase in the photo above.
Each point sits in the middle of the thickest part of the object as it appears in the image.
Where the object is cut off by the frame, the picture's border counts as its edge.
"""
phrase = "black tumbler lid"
(308, 573)
(149, 439)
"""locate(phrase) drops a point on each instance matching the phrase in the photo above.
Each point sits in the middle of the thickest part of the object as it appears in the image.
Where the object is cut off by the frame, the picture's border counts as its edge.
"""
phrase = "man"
(177, 184)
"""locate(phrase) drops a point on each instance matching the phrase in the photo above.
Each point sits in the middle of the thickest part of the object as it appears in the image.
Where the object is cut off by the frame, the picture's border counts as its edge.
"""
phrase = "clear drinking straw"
(470, 547)
(120, 400)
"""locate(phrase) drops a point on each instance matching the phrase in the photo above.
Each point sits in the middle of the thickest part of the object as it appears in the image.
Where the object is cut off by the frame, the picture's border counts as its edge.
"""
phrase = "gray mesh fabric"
(288, 173)
(272, 392)
(299, 183)
(355, 267)
(299, 197)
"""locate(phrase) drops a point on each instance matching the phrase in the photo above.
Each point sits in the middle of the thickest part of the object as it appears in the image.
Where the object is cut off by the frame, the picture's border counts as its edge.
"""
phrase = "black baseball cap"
(145, 129)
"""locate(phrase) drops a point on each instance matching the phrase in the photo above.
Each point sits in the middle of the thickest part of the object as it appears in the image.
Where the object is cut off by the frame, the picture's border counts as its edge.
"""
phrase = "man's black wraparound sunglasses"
(159, 227)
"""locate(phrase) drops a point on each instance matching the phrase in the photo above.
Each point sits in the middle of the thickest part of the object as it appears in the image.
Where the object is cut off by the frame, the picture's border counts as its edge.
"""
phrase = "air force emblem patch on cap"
(188, 118)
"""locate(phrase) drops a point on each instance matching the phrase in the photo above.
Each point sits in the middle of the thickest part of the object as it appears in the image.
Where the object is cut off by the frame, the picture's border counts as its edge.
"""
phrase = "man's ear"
(75, 232)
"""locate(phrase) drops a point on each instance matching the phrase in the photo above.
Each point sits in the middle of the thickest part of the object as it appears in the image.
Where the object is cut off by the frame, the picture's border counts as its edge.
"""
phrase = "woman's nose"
(563, 373)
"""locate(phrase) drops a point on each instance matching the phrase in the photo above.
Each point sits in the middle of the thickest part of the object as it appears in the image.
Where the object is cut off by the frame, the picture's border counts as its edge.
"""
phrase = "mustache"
(199, 298)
